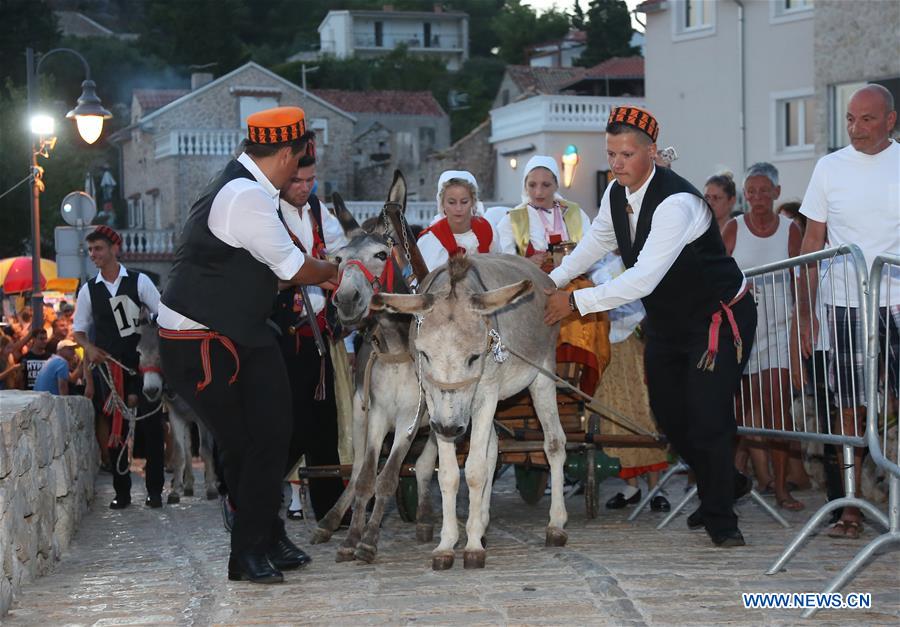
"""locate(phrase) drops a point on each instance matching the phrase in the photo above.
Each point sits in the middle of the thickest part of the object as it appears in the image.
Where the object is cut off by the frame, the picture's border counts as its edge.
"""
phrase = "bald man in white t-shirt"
(854, 198)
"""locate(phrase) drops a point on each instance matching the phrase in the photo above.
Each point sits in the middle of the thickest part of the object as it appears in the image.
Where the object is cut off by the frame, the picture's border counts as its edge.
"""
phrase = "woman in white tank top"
(758, 237)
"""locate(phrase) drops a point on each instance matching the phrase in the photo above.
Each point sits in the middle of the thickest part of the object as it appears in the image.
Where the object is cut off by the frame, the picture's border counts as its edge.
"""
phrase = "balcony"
(554, 113)
(413, 41)
(198, 142)
(146, 244)
(417, 212)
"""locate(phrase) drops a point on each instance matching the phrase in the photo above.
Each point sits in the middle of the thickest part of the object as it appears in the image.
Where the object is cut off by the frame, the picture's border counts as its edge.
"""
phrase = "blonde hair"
(473, 191)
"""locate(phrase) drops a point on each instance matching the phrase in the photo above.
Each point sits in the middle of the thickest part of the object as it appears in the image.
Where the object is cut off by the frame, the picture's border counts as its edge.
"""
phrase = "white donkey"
(181, 417)
(465, 311)
(391, 401)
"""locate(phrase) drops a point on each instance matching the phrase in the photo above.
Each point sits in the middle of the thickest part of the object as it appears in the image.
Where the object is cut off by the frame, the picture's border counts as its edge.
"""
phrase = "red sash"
(481, 227)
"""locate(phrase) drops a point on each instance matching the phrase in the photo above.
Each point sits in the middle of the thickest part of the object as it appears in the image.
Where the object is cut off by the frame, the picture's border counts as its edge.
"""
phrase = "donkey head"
(148, 350)
(365, 260)
(453, 342)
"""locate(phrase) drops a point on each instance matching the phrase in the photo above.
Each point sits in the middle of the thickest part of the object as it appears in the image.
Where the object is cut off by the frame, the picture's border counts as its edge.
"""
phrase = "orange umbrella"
(15, 274)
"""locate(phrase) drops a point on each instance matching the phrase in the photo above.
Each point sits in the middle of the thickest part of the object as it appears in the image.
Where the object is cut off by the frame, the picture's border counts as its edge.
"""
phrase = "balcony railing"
(198, 142)
(417, 212)
(414, 41)
(147, 244)
(553, 113)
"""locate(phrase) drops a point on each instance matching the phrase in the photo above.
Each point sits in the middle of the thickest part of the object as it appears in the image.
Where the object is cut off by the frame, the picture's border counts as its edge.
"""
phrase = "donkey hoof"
(345, 554)
(320, 536)
(212, 495)
(173, 499)
(556, 537)
(474, 559)
(424, 533)
(442, 561)
(365, 553)
(189, 491)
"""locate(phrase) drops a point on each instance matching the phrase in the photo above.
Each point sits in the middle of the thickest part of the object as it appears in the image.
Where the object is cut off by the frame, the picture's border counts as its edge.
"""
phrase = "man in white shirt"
(218, 351)
(108, 310)
(699, 327)
(853, 197)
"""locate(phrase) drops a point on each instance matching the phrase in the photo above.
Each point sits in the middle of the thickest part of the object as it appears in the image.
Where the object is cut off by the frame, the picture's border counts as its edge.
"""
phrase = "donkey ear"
(403, 303)
(489, 302)
(348, 222)
(397, 192)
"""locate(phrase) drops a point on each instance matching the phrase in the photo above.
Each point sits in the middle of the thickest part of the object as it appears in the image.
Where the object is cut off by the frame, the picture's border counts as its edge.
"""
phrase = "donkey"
(181, 416)
(467, 309)
(391, 401)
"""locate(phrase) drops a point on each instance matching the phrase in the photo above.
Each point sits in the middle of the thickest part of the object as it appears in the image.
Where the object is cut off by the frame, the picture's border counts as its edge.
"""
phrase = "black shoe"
(695, 520)
(154, 501)
(253, 566)
(619, 501)
(286, 555)
(742, 485)
(119, 503)
(659, 503)
(228, 512)
(727, 539)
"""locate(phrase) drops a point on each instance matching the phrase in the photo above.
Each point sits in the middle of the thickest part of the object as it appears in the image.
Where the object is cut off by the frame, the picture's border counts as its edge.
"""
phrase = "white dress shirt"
(537, 232)
(244, 215)
(678, 220)
(83, 318)
(300, 222)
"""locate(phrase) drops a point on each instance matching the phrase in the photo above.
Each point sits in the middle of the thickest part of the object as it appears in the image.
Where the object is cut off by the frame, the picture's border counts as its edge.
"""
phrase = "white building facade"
(439, 34)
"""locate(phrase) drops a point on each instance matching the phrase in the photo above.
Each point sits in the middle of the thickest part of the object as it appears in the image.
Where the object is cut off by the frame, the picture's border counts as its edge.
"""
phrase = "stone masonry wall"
(48, 463)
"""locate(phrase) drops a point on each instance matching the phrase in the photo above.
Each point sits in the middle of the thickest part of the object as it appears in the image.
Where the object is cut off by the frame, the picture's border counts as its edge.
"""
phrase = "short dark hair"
(620, 128)
(306, 160)
(267, 150)
(725, 180)
(95, 236)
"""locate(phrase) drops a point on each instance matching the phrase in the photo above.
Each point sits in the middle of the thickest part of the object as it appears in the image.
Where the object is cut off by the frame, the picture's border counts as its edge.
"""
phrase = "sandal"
(295, 514)
(790, 503)
(850, 529)
(769, 490)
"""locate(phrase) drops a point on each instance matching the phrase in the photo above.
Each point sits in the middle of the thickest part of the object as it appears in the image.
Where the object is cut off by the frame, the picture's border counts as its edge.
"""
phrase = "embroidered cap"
(109, 233)
(640, 119)
(276, 126)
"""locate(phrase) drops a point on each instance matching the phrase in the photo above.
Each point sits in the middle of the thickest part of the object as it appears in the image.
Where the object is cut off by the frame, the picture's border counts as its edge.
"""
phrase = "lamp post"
(88, 115)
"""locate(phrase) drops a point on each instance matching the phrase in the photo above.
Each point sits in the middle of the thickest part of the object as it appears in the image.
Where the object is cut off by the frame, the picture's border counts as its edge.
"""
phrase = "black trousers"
(148, 433)
(315, 432)
(695, 408)
(250, 421)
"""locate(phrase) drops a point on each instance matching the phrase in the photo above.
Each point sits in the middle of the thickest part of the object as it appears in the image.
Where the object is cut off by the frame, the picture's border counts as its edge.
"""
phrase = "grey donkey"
(392, 402)
(465, 312)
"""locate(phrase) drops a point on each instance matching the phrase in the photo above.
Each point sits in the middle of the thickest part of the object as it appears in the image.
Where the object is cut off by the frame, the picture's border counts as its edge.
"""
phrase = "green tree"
(608, 31)
(26, 23)
(518, 27)
(577, 16)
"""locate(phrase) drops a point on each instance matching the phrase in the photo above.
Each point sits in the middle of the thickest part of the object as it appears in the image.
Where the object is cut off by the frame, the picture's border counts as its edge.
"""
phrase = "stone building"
(178, 140)
(472, 152)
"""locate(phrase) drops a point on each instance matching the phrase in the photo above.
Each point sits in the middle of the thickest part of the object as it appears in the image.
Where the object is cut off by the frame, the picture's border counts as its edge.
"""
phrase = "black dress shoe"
(695, 520)
(286, 555)
(119, 503)
(742, 485)
(659, 503)
(228, 512)
(253, 566)
(726, 539)
(154, 501)
(619, 501)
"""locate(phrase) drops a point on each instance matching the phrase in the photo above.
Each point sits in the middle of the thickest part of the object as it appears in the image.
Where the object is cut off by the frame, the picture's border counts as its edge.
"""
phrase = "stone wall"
(473, 152)
(48, 463)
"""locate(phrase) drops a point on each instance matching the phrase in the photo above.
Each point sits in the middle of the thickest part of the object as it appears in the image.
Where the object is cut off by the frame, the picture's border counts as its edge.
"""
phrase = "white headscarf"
(541, 161)
(446, 177)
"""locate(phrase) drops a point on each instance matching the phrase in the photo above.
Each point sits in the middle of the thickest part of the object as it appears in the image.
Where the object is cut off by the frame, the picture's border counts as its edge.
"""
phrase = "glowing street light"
(43, 125)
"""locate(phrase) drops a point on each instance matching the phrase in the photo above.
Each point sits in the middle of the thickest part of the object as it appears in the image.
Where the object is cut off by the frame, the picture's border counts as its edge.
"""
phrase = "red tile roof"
(388, 102)
(153, 99)
(618, 67)
(543, 80)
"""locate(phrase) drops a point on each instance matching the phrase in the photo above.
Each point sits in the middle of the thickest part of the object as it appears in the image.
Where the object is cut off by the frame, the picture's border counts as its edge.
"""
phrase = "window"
(839, 97)
(427, 34)
(135, 212)
(693, 18)
(254, 104)
(153, 201)
(789, 10)
(379, 34)
(795, 122)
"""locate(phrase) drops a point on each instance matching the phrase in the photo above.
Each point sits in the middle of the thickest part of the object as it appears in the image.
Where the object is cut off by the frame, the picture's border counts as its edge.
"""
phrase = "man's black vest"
(220, 286)
(702, 275)
(116, 318)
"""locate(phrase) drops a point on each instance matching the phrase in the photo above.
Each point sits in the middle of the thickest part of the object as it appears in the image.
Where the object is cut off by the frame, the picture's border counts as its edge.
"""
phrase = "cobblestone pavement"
(143, 566)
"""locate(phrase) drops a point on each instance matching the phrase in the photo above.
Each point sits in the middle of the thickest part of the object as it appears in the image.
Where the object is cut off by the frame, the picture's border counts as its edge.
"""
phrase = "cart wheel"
(407, 499)
(531, 483)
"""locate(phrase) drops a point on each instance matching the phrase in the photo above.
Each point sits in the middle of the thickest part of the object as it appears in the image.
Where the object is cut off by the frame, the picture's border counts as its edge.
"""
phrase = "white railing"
(417, 212)
(147, 243)
(198, 142)
(554, 113)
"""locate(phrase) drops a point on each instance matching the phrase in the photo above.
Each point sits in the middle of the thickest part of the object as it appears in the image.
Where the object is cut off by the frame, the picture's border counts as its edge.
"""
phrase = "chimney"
(199, 79)
(438, 7)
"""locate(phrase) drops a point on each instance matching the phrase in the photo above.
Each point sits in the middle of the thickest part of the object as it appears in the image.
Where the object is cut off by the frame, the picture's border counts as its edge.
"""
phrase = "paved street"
(142, 566)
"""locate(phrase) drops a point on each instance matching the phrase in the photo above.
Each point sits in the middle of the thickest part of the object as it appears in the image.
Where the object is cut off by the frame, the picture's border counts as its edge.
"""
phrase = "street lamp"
(88, 115)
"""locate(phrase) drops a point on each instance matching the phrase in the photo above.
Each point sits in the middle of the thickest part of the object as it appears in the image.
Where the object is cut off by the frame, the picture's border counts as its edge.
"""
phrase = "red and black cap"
(109, 233)
(637, 117)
